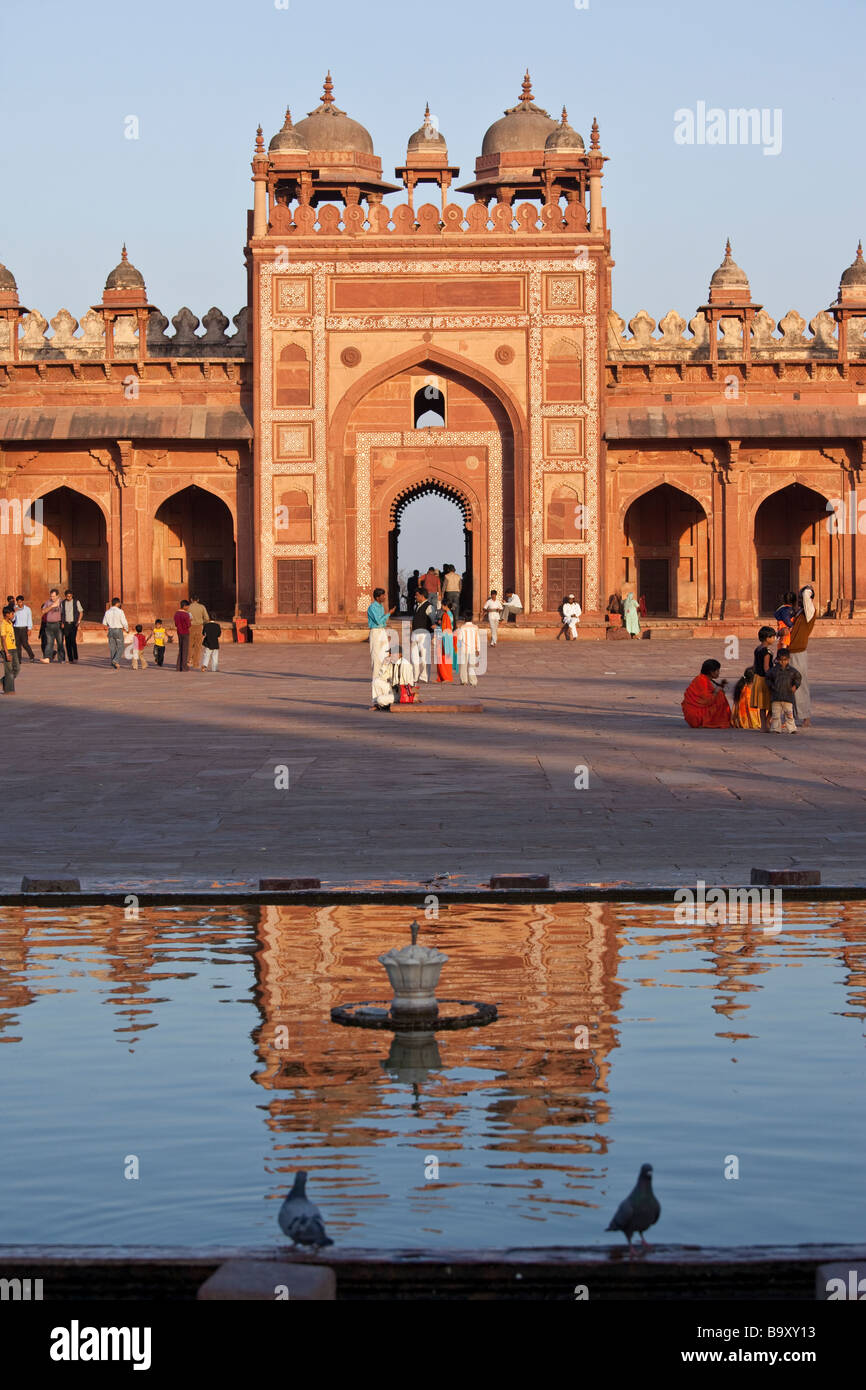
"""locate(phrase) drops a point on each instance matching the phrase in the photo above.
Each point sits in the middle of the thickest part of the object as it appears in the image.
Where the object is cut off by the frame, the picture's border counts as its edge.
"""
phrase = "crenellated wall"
(64, 338)
(668, 339)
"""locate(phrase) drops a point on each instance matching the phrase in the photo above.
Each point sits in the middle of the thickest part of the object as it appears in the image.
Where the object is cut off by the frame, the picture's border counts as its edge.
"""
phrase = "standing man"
(53, 627)
(451, 586)
(493, 609)
(116, 625)
(422, 638)
(377, 622)
(9, 663)
(23, 622)
(412, 585)
(71, 613)
(182, 626)
(801, 630)
(211, 650)
(198, 616)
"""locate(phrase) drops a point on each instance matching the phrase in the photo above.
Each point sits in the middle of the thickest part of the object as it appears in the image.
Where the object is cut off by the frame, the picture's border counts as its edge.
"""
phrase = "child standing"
(210, 652)
(139, 642)
(762, 663)
(743, 716)
(783, 680)
(160, 637)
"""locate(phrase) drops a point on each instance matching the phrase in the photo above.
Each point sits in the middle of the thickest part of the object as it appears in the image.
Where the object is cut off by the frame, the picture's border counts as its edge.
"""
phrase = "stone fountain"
(413, 972)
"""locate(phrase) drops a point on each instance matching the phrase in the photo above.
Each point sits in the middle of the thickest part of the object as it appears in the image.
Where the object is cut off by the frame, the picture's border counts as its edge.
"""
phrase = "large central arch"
(425, 487)
(483, 419)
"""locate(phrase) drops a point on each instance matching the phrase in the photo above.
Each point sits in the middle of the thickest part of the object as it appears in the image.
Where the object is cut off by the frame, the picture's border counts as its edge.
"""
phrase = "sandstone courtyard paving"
(157, 779)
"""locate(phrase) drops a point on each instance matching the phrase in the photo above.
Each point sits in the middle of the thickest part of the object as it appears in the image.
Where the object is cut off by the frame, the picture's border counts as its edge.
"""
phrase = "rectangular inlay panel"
(417, 292)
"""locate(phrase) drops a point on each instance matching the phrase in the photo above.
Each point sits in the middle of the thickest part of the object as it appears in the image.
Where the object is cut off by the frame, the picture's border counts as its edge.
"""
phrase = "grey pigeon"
(639, 1210)
(299, 1219)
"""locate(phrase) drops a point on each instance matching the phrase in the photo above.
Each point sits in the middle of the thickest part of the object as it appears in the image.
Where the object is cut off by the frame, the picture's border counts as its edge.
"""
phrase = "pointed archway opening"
(194, 553)
(666, 553)
(431, 525)
(72, 552)
(794, 546)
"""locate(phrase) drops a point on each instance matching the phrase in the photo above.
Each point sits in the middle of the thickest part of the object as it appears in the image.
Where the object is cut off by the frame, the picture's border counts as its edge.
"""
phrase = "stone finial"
(123, 255)
(328, 93)
(594, 139)
(260, 141)
(564, 117)
(728, 249)
(526, 94)
(414, 930)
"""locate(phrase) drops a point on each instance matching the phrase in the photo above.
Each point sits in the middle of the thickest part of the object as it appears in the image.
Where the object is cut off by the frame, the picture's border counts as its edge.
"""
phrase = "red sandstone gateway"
(424, 347)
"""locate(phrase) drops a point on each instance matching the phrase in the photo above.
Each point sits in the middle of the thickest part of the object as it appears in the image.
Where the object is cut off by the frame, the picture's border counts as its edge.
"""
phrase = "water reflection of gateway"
(552, 969)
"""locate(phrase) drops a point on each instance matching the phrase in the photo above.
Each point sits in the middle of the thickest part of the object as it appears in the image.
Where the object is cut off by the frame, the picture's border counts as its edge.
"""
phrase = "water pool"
(198, 1043)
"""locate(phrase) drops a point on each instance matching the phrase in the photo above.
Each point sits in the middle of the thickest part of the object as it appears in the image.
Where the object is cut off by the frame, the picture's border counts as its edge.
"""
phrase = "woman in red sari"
(445, 664)
(705, 704)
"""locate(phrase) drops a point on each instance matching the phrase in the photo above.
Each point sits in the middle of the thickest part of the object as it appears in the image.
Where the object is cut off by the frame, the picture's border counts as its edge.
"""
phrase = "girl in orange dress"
(743, 716)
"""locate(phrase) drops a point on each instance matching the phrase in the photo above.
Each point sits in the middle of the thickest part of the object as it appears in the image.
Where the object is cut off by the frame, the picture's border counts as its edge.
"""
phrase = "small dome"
(7, 280)
(328, 129)
(523, 127)
(124, 276)
(564, 138)
(288, 139)
(729, 275)
(427, 137)
(852, 278)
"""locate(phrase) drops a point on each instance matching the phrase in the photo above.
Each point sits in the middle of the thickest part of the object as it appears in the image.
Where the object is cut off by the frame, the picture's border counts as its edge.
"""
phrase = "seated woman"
(705, 704)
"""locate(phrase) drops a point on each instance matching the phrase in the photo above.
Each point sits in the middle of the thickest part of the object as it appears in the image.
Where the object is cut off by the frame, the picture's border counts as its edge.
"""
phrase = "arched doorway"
(793, 546)
(194, 553)
(443, 537)
(73, 553)
(667, 549)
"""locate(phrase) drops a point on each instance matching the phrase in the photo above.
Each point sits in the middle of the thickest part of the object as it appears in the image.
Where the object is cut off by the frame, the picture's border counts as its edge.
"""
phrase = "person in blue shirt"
(377, 622)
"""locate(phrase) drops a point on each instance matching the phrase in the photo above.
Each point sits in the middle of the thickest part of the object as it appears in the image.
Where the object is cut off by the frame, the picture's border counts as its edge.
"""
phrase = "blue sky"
(200, 74)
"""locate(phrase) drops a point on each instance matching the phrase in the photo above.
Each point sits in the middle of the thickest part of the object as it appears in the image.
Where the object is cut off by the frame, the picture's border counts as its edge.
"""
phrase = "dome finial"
(260, 141)
(564, 120)
(526, 94)
(123, 255)
(328, 93)
(859, 255)
(594, 139)
(728, 253)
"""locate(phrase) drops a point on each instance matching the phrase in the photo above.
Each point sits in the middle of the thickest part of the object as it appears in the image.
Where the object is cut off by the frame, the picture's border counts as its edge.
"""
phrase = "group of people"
(772, 693)
(438, 642)
(196, 631)
(60, 619)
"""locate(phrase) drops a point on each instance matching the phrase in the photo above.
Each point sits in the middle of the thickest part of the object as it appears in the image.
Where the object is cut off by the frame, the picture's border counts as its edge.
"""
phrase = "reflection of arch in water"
(666, 550)
(432, 486)
(194, 552)
(793, 546)
(73, 551)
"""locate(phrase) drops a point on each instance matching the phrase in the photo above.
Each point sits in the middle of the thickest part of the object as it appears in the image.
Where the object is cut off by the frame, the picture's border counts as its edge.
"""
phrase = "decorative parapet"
(65, 339)
(668, 340)
(377, 219)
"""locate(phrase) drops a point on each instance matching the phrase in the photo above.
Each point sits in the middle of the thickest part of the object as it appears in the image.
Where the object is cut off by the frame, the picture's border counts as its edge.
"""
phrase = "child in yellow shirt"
(160, 638)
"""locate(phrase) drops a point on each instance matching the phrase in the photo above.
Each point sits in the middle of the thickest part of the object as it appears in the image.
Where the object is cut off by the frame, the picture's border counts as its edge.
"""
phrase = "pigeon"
(299, 1219)
(639, 1210)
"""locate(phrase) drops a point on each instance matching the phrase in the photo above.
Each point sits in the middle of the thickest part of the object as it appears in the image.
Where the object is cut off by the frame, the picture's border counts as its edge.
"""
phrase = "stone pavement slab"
(580, 767)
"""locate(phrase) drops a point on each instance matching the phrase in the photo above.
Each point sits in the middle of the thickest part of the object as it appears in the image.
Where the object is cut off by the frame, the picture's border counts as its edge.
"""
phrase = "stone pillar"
(737, 538)
(596, 221)
(856, 587)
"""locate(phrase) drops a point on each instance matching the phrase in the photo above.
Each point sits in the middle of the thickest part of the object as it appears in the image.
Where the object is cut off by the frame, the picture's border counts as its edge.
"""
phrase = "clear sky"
(200, 74)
